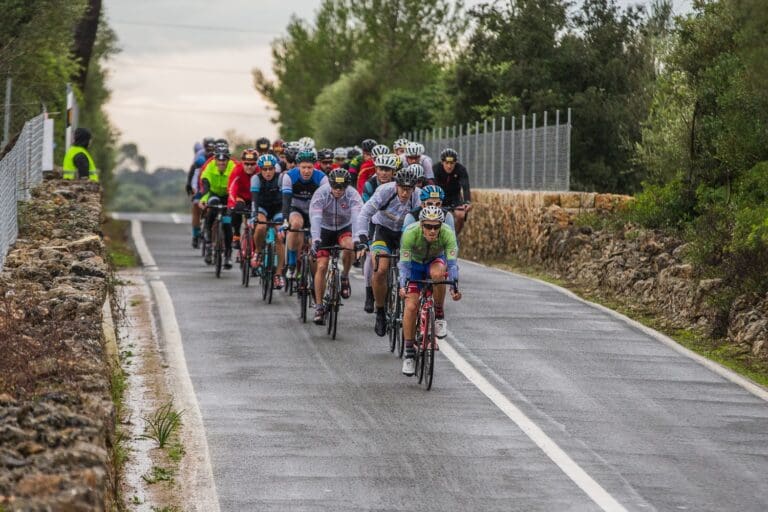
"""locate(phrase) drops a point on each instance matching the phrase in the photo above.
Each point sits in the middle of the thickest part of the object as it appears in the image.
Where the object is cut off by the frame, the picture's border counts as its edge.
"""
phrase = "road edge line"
(723, 371)
(205, 497)
(576, 473)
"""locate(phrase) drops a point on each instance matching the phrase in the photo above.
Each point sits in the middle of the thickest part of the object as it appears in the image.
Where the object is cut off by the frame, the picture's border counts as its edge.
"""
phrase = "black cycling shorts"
(304, 215)
(385, 240)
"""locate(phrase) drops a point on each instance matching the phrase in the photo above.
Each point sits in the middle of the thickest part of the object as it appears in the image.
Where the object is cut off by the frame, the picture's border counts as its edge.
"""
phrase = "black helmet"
(352, 153)
(449, 155)
(290, 154)
(368, 145)
(406, 177)
(325, 154)
(262, 144)
(339, 178)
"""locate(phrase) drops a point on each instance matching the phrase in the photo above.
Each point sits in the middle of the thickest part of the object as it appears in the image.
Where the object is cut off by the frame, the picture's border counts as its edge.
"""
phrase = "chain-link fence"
(20, 170)
(523, 153)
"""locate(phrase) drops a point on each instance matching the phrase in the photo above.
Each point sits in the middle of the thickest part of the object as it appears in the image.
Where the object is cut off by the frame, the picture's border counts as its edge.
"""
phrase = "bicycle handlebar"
(430, 282)
(268, 223)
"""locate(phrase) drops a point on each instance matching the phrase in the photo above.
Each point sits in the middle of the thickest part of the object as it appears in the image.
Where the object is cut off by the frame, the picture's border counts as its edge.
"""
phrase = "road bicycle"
(245, 254)
(218, 238)
(426, 339)
(394, 304)
(332, 297)
(303, 280)
(268, 266)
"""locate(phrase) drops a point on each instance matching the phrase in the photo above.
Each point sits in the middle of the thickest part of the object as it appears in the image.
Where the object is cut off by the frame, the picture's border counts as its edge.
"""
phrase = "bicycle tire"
(396, 327)
(217, 249)
(245, 257)
(303, 291)
(429, 353)
(328, 302)
(270, 271)
(400, 344)
(335, 320)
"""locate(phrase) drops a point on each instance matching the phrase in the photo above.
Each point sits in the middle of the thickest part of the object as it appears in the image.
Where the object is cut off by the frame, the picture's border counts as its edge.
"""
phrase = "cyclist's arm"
(287, 190)
(190, 175)
(409, 219)
(206, 191)
(464, 180)
(316, 213)
(366, 213)
(255, 189)
(449, 242)
(406, 255)
(367, 191)
(356, 205)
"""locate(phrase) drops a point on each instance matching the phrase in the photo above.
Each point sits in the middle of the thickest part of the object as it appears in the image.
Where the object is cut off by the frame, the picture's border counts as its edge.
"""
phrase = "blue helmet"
(431, 192)
(267, 160)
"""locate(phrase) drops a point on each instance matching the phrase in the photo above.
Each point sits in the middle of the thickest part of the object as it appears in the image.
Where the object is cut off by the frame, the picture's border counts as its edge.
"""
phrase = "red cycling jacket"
(239, 185)
(367, 169)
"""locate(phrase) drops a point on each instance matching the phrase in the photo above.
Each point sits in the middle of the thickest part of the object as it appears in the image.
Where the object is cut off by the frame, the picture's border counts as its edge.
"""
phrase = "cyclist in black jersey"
(452, 177)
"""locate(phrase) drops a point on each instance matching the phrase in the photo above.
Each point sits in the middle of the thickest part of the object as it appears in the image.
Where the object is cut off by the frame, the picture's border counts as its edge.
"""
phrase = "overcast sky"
(184, 69)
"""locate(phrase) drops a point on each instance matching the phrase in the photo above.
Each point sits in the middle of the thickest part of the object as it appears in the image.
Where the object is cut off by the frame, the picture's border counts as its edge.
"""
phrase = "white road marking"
(203, 497)
(726, 373)
(580, 477)
(176, 218)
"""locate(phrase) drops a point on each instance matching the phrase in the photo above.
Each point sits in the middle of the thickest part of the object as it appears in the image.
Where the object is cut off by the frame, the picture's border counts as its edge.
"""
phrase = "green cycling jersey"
(415, 248)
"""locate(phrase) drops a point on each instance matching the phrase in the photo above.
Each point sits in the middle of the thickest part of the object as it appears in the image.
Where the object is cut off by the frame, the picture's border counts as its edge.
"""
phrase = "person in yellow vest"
(215, 179)
(78, 162)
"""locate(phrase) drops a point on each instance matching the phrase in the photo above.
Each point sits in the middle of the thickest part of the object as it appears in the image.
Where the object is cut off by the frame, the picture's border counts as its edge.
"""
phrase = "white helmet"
(380, 149)
(307, 142)
(340, 153)
(413, 149)
(400, 144)
(432, 213)
(385, 161)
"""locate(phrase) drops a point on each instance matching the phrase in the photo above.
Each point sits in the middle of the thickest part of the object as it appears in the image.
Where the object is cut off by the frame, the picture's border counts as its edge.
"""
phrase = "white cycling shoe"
(409, 366)
(441, 328)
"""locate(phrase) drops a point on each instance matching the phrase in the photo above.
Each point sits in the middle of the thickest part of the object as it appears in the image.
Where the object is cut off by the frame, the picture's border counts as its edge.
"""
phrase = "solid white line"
(203, 495)
(176, 218)
(141, 245)
(580, 477)
(728, 374)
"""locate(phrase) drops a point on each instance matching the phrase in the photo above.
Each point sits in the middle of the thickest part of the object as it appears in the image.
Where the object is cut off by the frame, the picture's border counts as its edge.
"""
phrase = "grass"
(119, 249)
(162, 424)
(158, 474)
(176, 451)
(718, 350)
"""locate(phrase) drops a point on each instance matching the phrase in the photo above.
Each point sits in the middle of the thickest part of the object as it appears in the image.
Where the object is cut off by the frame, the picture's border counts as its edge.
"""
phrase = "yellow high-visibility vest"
(69, 168)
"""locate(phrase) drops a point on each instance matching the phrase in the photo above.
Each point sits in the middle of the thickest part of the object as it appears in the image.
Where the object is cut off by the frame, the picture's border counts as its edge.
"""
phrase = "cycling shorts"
(421, 271)
(272, 214)
(330, 237)
(385, 240)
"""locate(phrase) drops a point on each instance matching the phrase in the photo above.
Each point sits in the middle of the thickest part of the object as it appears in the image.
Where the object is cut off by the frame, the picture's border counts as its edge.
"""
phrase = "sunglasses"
(249, 164)
(431, 227)
(326, 162)
(267, 168)
(338, 187)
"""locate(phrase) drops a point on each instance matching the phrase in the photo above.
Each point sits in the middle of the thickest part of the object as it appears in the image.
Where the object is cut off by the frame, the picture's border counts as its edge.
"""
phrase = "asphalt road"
(296, 421)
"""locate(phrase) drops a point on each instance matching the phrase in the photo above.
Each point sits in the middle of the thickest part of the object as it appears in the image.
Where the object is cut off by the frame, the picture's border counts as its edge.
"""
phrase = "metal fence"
(523, 153)
(20, 170)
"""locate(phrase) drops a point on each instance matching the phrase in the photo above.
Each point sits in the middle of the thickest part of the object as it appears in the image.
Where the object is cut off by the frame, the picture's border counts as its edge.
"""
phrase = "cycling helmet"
(306, 155)
(325, 154)
(368, 145)
(307, 142)
(400, 144)
(209, 144)
(432, 213)
(267, 161)
(262, 144)
(290, 154)
(197, 147)
(278, 146)
(431, 192)
(352, 153)
(221, 141)
(385, 162)
(293, 144)
(340, 154)
(339, 177)
(413, 149)
(249, 155)
(422, 149)
(221, 151)
(406, 177)
(379, 149)
(418, 170)
(449, 155)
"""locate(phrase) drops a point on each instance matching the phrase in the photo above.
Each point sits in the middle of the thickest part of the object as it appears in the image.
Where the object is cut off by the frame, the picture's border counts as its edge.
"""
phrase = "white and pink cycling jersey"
(327, 212)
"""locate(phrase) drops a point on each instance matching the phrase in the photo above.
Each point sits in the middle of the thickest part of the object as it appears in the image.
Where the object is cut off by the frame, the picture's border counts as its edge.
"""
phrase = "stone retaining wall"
(56, 414)
(643, 266)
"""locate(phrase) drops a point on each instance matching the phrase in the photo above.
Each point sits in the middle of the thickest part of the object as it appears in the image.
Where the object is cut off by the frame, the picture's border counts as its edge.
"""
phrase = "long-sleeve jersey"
(327, 212)
(297, 192)
(414, 248)
(265, 194)
(385, 209)
(367, 169)
(370, 187)
(215, 182)
(239, 186)
(426, 163)
(455, 184)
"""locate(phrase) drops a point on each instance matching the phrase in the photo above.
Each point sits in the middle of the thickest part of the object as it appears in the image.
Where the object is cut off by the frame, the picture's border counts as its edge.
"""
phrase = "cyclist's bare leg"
(380, 282)
(195, 216)
(458, 217)
(347, 257)
(295, 240)
(280, 248)
(259, 234)
(410, 314)
(322, 268)
(437, 273)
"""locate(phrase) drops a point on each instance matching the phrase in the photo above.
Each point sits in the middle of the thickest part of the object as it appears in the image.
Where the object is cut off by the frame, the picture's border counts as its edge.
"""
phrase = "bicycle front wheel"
(303, 290)
(429, 353)
(218, 248)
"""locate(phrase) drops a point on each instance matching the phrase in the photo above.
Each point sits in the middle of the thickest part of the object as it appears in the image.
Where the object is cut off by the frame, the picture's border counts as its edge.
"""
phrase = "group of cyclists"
(368, 200)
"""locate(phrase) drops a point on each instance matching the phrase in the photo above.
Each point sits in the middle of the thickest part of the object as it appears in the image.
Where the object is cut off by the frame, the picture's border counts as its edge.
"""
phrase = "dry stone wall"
(641, 266)
(56, 413)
